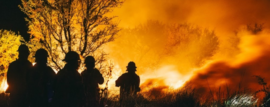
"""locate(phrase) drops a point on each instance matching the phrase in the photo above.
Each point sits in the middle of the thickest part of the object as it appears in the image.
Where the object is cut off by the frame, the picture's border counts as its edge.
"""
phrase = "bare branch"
(77, 25)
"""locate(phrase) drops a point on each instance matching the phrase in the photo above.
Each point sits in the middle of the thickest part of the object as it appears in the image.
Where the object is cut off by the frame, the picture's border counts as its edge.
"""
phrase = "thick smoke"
(253, 60)
(165, 52)
(218, 14)
(204, 43)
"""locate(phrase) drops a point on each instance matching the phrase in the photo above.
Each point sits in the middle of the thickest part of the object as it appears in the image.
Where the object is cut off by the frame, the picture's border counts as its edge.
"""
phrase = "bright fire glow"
(167, 55)
(168, 74)
(3, 85)
(34, 63)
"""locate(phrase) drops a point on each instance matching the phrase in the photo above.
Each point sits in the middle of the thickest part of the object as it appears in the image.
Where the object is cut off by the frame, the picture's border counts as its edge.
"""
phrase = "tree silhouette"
(184, 45)
(9, 43)
(198, 43)
(71, 25)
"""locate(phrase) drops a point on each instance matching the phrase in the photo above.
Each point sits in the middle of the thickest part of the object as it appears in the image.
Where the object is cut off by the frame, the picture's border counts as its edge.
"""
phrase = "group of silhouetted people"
(39, 86)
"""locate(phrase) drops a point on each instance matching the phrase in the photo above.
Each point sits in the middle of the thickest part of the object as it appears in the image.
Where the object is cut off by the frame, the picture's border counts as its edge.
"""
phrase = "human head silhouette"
(89, 62)
(41, 56)
(73, 59)
(23, 52)
(131, 67)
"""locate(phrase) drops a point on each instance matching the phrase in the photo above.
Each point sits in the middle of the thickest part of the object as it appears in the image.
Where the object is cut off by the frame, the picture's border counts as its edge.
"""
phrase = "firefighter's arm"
(10, 77)
(138, 85)
(119, 81)
(10, 73)
(100, 78)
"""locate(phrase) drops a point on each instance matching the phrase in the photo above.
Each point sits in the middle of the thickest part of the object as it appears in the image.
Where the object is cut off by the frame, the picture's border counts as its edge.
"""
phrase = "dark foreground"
(182, 98)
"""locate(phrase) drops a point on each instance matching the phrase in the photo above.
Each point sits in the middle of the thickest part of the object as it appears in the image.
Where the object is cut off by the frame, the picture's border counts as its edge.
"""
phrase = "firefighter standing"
(68, 83)
(128, 82)
(91, 78)
(17, 78)
(41, 81)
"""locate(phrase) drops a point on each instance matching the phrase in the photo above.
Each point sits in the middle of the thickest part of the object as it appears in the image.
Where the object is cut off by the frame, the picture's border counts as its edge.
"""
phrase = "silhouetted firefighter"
(41, 81)
(128, 82)
(91, 78)
(16, 78)
(68, 83)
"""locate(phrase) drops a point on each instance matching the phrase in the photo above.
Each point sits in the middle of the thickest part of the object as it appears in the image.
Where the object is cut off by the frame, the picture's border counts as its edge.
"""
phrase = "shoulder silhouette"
(68, 83)
(128, 82)
(91, 78)
(17, 78)
(41, 81)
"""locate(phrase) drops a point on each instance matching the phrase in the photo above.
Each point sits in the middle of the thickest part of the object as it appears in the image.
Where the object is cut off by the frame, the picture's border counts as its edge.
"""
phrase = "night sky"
(12, 18)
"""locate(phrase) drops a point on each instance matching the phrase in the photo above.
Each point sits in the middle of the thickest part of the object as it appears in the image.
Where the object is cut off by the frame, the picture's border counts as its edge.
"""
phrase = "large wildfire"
(204, 44)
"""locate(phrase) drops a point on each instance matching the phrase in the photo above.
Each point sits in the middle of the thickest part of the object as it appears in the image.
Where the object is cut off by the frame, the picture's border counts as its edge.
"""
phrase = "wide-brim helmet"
(131, 64)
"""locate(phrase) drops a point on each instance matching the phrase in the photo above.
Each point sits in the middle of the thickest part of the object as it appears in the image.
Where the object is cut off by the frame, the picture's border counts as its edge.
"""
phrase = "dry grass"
(181, 98)
(185, 98)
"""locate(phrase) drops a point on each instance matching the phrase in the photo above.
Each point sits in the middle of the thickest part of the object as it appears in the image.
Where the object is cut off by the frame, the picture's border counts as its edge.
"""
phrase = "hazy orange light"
(170, 60)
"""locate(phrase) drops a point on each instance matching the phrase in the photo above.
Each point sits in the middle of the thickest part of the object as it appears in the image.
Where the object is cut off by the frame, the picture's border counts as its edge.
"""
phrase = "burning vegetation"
(184, 50)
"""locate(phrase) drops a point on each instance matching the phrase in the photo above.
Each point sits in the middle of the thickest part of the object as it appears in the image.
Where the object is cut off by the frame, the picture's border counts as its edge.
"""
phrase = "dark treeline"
(39, 86)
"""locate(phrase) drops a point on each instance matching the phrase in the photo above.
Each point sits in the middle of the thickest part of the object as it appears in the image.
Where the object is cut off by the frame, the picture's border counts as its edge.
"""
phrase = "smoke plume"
(203, 43)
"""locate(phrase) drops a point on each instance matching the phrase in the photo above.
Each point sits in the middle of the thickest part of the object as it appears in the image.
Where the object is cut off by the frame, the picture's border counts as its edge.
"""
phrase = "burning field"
(209, 46)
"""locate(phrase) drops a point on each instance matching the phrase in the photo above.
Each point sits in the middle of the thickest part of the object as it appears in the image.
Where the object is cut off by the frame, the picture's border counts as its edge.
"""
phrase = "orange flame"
(168, 53)
(3, 85)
